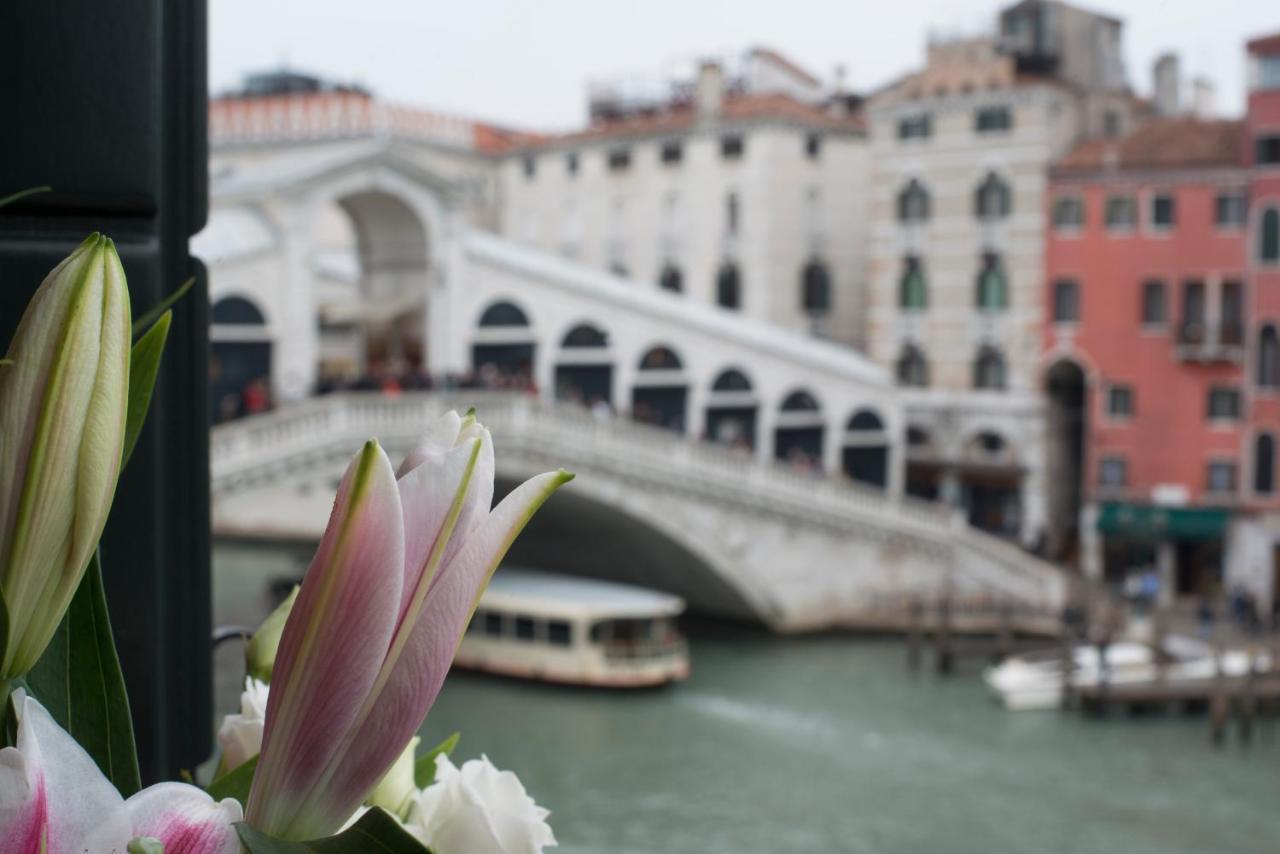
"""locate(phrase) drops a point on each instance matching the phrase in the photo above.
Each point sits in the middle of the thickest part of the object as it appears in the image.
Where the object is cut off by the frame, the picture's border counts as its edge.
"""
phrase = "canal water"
(828, 744)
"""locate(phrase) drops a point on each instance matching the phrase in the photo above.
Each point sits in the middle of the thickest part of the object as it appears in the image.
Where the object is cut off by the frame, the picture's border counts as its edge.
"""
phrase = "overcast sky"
(527, 62)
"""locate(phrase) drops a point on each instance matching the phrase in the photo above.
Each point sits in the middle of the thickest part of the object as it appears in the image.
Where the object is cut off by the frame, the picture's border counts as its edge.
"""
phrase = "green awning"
(1144, 521)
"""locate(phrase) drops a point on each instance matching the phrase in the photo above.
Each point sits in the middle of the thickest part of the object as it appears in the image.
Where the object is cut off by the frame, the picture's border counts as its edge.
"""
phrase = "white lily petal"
(185, 819)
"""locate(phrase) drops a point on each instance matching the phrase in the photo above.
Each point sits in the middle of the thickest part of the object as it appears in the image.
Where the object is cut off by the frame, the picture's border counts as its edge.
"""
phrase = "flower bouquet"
(321, 756)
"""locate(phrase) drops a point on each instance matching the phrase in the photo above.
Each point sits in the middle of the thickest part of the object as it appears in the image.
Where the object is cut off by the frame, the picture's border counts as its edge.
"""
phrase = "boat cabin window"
(524, 627)
(492, 622)
(559, 633)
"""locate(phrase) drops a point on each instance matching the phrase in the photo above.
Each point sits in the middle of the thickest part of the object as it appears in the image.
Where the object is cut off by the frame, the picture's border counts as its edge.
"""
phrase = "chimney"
(1202, 98)
(1164, 85)
(709, 97)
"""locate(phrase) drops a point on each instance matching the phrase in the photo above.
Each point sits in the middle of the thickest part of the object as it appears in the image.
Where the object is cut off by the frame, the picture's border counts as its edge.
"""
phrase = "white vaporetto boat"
(559, 628)
(1034, 681)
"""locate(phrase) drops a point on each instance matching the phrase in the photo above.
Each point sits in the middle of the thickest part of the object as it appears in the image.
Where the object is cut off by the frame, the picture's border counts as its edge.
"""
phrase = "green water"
(829, 745)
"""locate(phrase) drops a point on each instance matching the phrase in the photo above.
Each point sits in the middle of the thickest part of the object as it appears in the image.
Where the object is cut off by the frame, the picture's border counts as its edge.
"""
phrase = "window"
(559, 633)
(571, 163)
(731, 146)
(912, 369)
(731, 380)
(671, 279)
(619, 159)
(1192, 331)
(913, 202)
(988, 370)
(585, 335)
(731, 213)
(1222, 477)
(1268, 72)
(503, 314)
(525, 627)
(728, 286)
(815, 288)
(1121, 213)
(1268, 357)
(1229, 209)
(530, 166)
(672, 152)
(1264, 464)
(1269, 237)
(492, 623)
(1113, 472)
(913, 291)
(1163, 211)
(992, 290)
(1155, 303)
(1110, 123)
(1231, 315)
(1066, 301)
(989, 119)
(813, 146)
(992, 199)
(915, 127)
(1224, 403)
(1068, 213)
(1267, 150)
(1120, 400)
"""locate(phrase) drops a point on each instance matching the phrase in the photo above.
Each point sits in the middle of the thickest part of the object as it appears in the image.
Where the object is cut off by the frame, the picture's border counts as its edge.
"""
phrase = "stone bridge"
(737, 534)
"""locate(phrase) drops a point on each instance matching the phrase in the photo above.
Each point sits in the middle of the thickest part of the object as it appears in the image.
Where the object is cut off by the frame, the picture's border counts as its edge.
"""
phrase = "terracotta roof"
(778, 59)
(736, 108)
(1161, 144)
(1264, 44)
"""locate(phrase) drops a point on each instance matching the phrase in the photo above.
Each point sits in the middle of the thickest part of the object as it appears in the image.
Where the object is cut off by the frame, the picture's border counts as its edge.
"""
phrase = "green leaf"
(145, 845)
(375, 833)
(22, 194)
(235, 783)
(424, 769)
(78, 680)
(149, 317)
(144, 364)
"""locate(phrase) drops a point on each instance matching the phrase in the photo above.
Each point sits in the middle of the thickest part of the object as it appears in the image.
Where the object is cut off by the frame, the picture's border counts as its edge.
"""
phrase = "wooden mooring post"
(915, 632)
(1219, 702)
(1004, 633)
(1068, 669)
(945, 658)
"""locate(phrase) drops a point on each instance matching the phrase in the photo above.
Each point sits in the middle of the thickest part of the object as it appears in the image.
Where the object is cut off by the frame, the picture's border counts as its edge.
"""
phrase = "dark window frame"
(1067, 303)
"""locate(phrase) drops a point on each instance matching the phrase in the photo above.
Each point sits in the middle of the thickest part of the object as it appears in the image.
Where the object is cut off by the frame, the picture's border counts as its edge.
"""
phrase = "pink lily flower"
(376, 624)
(54, 800)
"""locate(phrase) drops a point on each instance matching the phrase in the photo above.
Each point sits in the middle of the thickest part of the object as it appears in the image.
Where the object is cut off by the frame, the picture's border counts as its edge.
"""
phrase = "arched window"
(864, 421)
(992, 292)
(918, 438)
(815, 288)
(988, 369)
(236, 311)
(671, 279)
(913, 203)
(800, 401)
(503, 314)
(992, 199)
(731, 380)
(1269, 237)
(1264, 464)
(1155, 303)
(1268, 357)
(913, 291)
(585, 335)
(729, 286)
(913, 369)
(660, 359)
(1066, 301)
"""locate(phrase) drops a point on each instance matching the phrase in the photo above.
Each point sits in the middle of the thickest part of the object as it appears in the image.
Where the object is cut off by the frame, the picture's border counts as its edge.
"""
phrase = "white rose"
(479, 810)
(241, 735)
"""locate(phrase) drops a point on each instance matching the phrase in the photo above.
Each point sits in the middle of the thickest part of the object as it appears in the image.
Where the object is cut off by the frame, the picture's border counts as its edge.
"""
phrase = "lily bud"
(260, 652)
(62, 420)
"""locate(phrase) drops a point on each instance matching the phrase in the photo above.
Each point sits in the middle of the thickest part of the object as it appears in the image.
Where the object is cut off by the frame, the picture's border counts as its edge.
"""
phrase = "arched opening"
(815, 288)
(913, 203)
(991, 484)
(992, 290)
(502, 351)
(1065, 466)
(731, 411)
(661, 392)
(1268, 357)
(992, 199)
(912, 369)
(799, 434)
(1264, 464)
(1269, 237)
(671, 279)
(913, 290)
(866, 449)
(584, 368)
(923, 471)
(729, 286)
(377, 329)
(988, 369)
(240, 367)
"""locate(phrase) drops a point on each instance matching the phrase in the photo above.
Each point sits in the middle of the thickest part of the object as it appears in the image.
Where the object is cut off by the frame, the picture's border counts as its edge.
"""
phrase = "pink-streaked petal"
(331, 649)
(24, 806)
(413, 679)
(80, 808)
(185, 819)
(440, 436)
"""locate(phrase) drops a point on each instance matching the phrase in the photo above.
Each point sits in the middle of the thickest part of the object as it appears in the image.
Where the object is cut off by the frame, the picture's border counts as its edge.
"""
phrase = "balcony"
(1201, 342)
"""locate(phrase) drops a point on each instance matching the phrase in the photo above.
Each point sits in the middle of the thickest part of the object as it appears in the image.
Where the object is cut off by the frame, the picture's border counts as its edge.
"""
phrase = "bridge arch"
(799, 434)
(504, 346)
(865, 455)
(660, 390)
(991, 472)
(584, 365)
(732, 409)
(240, 367)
